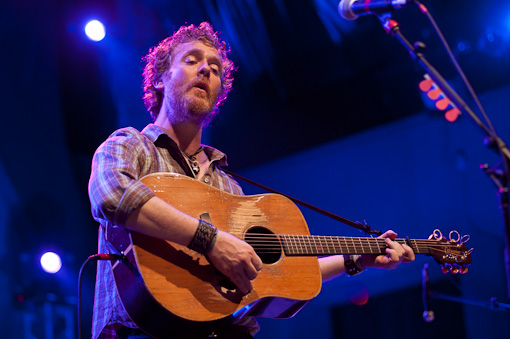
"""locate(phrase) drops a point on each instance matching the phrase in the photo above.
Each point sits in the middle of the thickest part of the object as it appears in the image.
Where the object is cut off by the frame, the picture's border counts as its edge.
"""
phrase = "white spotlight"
(95, 30)
(50, 262)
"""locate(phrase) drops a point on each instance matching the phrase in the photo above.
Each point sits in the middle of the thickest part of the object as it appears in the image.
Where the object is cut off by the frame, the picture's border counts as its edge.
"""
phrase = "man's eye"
(215, 69)
(190, 61)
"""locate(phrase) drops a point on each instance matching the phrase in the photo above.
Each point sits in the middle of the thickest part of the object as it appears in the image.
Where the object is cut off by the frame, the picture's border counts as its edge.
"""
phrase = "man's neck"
(187, 135)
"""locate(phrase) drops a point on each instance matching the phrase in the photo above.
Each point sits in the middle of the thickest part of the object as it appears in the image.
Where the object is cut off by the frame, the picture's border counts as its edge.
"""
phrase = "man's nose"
(204, 69)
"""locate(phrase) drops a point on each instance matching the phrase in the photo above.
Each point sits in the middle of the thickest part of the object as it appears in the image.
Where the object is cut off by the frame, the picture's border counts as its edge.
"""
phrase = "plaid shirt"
(115, 191)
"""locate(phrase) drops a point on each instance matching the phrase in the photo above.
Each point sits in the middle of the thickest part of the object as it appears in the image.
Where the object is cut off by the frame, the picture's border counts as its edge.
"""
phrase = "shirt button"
(207, 179)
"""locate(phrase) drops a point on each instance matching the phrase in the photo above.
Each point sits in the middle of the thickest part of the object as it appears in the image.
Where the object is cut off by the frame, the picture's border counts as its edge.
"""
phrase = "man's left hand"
(395, 254)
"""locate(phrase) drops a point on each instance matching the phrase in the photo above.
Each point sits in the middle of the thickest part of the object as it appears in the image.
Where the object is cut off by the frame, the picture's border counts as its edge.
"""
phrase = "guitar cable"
(94, 257)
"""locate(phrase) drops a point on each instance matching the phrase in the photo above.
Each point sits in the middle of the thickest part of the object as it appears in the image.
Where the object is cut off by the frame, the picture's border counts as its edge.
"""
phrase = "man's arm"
(118, 196)
(334, 266)
(233, 257)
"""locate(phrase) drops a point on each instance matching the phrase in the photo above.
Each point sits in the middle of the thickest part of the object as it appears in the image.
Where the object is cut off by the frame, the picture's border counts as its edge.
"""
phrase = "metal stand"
(499, 176)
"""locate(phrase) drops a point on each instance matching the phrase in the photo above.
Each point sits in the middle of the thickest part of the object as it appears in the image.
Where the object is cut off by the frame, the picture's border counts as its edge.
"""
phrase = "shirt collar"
(155, 133)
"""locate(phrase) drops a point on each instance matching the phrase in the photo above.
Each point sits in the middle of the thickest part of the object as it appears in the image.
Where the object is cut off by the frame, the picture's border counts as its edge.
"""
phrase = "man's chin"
(198, 115)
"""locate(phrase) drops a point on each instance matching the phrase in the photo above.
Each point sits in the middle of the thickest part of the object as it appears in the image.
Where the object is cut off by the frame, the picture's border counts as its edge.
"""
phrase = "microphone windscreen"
(344, 8)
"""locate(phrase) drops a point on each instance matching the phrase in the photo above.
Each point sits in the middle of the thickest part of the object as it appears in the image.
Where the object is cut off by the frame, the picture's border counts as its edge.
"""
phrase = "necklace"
(195, 165)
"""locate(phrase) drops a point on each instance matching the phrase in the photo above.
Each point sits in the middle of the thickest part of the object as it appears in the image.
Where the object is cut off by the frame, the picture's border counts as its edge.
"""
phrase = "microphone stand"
(499, 177)
(493, 304)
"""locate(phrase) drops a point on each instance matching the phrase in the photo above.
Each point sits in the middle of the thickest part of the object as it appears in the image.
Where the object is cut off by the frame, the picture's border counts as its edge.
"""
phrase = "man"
(186, 78)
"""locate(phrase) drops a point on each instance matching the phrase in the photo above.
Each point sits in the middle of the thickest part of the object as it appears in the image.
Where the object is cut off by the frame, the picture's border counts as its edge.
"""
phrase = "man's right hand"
(236, 259)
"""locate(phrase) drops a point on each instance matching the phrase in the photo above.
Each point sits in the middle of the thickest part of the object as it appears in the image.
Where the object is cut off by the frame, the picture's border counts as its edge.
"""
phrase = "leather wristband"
(204, 237)
(353, 265)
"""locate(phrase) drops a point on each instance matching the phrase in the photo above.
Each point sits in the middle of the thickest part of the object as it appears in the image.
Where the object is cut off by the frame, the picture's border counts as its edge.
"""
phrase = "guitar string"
(267, 243)
(362, 241)
(322, 239)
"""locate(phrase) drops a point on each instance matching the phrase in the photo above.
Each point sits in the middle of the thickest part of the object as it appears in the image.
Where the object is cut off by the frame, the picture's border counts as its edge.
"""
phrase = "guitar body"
(161, 283)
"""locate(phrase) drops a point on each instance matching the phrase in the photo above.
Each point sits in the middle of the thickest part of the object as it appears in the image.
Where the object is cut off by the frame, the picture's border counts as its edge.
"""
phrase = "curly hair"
(159, 59)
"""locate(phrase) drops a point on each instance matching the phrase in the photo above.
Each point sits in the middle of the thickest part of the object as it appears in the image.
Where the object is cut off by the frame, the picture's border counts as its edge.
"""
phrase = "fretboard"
(314, 245)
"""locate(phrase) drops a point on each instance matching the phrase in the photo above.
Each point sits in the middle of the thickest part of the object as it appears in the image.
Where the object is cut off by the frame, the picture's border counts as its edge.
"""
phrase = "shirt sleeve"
(114, 186)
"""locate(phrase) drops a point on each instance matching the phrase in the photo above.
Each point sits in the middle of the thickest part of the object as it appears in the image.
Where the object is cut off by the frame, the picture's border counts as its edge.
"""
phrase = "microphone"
(351, 9)
(428, 314)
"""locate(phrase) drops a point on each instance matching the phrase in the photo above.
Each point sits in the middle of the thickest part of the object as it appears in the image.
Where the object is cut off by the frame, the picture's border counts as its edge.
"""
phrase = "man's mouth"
(201, 85)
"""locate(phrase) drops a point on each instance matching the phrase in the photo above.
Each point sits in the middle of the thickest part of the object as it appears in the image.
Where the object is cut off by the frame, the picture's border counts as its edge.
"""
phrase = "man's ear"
(159, 84)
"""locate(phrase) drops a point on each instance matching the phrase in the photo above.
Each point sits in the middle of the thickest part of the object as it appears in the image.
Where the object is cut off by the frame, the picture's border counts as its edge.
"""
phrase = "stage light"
(95, 30)
(51, 262)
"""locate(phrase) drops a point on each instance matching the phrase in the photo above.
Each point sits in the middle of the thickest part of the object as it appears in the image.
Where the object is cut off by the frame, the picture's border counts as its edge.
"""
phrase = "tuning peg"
(463, 270)
(444, 269)
(454, 270)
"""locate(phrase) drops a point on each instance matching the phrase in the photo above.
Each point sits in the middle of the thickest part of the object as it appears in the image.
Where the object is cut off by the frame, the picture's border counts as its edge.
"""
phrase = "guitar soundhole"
(266, 244)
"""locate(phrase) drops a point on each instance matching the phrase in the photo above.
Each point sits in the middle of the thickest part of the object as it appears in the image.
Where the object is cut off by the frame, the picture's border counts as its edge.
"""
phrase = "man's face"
(192, 83)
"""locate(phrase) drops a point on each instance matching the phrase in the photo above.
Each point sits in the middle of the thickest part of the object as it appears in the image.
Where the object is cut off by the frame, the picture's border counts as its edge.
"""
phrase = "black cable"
(95, 257)
(439, 33)
(494, 140)
(360, 226)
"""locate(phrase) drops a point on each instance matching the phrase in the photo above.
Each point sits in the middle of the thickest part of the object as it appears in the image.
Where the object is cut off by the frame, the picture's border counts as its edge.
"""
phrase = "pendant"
(195, 166)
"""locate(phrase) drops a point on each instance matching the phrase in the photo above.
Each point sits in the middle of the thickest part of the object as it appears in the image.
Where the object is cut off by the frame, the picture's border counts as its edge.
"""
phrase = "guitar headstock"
(452, 254)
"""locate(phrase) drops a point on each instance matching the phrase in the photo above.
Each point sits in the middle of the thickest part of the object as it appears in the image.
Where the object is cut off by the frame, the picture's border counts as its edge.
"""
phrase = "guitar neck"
(313, 245)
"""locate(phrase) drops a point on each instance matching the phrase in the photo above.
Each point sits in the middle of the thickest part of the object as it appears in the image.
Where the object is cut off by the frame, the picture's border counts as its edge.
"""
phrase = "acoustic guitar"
(169, 290)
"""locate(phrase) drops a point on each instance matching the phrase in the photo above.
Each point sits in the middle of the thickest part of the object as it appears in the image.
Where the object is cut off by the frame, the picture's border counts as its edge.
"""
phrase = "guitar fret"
(332, 242)
(285, 242)
(415, 247)
(295, 244)
(317, 244)
(370, 246)
(290, 240)
(292, 246)
(316, 247)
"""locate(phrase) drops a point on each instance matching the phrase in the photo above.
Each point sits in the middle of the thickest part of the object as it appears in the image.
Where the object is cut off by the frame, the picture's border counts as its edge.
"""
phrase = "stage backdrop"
(412, 176)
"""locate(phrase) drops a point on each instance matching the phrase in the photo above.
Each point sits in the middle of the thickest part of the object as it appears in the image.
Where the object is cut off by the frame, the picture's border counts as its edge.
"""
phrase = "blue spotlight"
(95, 30)
(51, 262)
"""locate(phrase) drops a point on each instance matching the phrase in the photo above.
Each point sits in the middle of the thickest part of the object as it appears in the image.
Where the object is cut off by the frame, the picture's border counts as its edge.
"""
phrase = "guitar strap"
(361, 226)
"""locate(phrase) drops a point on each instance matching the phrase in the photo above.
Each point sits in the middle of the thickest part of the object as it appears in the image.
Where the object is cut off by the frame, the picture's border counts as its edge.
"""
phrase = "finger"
(395, 246)
(409, 255)
(242, 283)
(392, 255)
(389, 234)
(257, 263)
(251, 272)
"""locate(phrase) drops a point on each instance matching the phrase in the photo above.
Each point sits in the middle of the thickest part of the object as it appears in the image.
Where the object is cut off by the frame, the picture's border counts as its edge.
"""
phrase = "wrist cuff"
(353, 265)
(204, 238)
